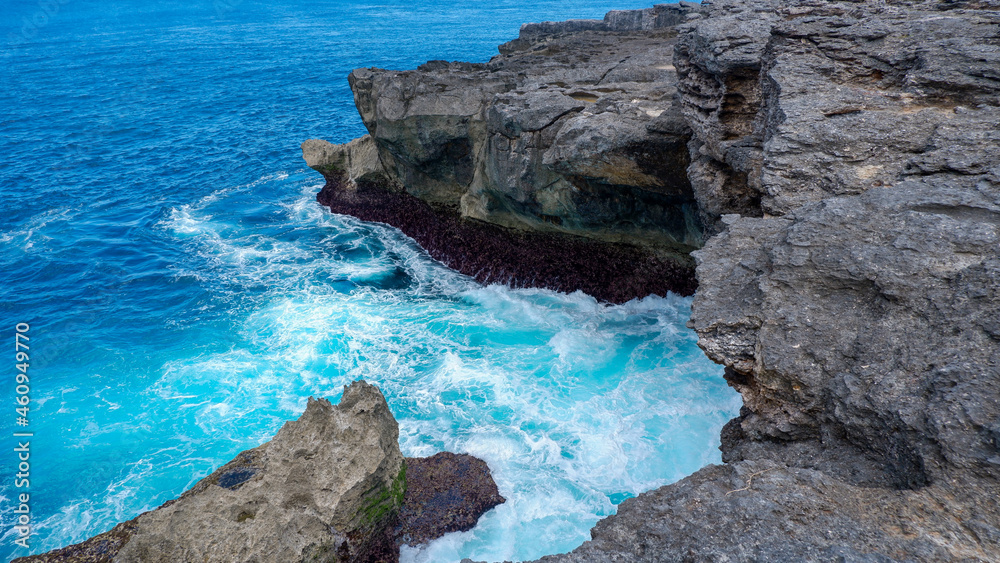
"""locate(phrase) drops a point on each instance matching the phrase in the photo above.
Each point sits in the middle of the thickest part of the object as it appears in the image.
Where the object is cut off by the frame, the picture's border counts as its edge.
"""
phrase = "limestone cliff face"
(572, 129)
(848, 155)
(843, 162)
(860, 311)
(590, 148)
(568, 145)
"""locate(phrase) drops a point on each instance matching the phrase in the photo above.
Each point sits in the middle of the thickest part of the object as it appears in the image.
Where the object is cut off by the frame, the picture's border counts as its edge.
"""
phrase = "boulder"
(445, 493)
(330, 486)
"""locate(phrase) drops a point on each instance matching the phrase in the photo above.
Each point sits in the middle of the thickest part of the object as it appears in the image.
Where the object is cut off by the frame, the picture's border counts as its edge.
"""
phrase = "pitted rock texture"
(445, 493)
(793, 103)
(860, 310)
(765, 511)
(867, 320)
(327, 488)
(331, 486)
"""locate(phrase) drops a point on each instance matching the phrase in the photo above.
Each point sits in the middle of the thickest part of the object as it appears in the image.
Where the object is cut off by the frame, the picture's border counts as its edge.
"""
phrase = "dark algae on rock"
(559, 164)
(494, 254)
(834, 170)
(446, 493)
(331, 486)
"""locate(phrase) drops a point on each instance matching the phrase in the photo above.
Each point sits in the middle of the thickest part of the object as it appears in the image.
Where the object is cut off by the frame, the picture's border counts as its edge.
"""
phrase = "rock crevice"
(834, 168)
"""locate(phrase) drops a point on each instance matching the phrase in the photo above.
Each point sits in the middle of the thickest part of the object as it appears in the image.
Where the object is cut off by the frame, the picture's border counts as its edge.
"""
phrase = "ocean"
(182, 293)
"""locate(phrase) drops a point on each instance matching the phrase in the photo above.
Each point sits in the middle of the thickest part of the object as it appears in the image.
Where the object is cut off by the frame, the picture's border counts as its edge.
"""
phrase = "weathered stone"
(571, 132)
(357, 161)
(869, 323)
(560, 137)
(328, 487)
(767, 511)
(331, 486)
(791, 104)
(445, 493)
(658, 17)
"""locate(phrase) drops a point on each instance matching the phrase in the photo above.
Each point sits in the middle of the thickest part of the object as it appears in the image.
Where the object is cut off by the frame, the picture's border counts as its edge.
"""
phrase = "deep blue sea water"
(185, 293)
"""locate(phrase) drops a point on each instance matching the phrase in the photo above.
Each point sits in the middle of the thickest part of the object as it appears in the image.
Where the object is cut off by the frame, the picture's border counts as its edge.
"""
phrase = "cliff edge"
(839, 188)
(560, 163)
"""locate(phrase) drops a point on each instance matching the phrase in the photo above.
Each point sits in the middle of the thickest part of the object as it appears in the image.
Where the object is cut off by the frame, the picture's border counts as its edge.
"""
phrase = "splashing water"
(186, 294)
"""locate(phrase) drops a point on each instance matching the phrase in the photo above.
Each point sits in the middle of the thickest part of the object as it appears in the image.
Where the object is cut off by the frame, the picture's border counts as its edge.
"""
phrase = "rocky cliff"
(560, 163)
(331, 486)
(838, 164)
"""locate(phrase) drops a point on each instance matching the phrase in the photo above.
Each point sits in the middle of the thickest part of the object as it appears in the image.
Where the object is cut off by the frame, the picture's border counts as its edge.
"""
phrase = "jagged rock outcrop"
(845, 160)
(331, 486)
(848, 154)
(565, 153)
(860, 310)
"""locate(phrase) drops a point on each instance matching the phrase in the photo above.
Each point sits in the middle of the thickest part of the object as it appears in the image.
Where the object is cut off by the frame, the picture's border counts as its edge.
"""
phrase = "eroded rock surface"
(859, 311)
(566, 150)
(327, 488)
(768, 511)
(331, 486)
(848, 154)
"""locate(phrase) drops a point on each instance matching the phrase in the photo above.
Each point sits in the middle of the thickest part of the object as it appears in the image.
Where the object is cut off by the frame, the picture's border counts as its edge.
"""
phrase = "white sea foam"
(35, 228)
(571, 402)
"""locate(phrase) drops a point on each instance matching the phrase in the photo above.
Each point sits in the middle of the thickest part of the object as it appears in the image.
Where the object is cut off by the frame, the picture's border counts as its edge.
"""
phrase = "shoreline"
(841, 199)
(613, 273)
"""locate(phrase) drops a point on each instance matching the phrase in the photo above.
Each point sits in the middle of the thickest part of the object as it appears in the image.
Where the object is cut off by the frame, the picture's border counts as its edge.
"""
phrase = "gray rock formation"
(863, 94)
(331, 486)
(849, 155)
(844, 158)
(767, 511)
(571, 132)
(327, 488)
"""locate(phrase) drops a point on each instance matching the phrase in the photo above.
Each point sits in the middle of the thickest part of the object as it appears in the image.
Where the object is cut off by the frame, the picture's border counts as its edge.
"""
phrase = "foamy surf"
(574, 404)
(185, 300)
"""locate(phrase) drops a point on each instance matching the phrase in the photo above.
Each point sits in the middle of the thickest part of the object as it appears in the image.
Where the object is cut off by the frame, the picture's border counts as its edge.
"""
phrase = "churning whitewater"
(186, 293)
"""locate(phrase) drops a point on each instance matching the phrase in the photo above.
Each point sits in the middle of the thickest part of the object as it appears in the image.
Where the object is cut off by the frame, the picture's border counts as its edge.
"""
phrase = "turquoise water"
(186, 294)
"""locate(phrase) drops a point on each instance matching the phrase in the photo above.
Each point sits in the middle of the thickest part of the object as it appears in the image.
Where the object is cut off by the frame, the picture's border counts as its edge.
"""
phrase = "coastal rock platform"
(559, 164)
(839, 190)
